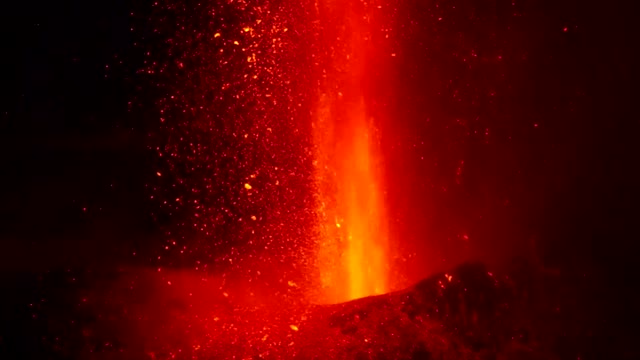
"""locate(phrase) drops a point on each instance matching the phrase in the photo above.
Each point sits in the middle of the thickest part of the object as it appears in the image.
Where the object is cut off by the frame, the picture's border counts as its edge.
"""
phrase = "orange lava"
(353, 254)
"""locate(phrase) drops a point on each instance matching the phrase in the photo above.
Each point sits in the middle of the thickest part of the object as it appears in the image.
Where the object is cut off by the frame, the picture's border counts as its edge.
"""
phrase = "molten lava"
(353, 250)
(364, 218)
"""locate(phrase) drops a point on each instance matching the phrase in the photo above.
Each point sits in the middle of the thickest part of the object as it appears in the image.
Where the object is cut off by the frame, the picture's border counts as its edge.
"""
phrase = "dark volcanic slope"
(465, 314)
(469, 313)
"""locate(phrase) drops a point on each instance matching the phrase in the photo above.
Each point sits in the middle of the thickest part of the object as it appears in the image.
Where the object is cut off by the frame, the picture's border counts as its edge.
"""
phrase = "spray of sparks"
(270, 165)
(235, 141)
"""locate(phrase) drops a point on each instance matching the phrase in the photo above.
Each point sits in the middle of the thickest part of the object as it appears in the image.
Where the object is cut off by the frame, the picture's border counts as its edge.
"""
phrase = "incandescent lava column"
(353, 238)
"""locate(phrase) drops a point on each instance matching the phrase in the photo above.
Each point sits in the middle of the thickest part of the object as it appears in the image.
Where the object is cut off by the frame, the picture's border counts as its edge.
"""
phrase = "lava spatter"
(234, 141)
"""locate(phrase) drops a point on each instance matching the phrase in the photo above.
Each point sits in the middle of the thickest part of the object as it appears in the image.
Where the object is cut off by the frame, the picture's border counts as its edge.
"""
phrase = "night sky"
(74, 158)
(545, 121)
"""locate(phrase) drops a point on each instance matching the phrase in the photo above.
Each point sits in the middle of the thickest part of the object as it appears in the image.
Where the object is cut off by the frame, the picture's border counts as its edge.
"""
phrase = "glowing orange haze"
(353, 247)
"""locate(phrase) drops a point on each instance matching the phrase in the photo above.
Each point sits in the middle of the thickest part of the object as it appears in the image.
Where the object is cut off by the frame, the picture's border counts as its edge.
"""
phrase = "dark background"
(74, 162)
(73, 155)
(555, 173)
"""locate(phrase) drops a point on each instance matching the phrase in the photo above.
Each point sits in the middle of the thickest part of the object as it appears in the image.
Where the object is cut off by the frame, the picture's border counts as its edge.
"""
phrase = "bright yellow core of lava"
(353, 246)
(353, 251)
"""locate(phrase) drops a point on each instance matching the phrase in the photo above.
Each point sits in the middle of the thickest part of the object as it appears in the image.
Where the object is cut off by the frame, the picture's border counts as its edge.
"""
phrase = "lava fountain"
(353, 246)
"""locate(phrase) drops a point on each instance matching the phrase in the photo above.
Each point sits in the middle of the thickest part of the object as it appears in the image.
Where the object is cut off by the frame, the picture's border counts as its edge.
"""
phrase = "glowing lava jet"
(353, 247)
